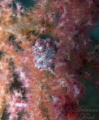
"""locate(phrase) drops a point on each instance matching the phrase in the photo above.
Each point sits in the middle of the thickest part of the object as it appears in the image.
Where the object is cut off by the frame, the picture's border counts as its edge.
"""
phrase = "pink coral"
(41, 88)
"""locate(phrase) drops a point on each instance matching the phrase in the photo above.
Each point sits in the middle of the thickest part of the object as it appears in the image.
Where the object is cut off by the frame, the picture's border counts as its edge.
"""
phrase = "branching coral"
(28, 90)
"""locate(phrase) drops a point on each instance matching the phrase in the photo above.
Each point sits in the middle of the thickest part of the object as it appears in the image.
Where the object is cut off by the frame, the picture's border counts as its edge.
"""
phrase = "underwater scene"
(49, 59)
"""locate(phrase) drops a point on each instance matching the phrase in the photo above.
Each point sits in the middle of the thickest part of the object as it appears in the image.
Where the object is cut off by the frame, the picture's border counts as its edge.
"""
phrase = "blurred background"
(91, 97)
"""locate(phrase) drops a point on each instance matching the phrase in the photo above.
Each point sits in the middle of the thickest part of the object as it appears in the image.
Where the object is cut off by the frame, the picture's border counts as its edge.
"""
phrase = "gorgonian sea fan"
(40, 78)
